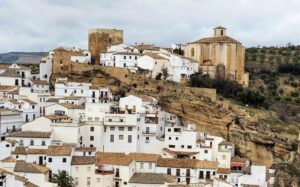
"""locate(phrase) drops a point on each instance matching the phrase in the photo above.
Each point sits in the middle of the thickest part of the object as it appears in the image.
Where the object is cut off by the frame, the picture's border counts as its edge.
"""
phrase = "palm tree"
(63, 179)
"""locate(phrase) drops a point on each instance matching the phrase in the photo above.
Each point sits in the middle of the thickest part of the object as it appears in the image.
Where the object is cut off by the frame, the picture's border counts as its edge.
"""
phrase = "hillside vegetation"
(275, 73)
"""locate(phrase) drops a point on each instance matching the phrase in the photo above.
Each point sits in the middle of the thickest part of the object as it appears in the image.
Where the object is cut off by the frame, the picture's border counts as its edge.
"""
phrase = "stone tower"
(100, 39)
(220, 31)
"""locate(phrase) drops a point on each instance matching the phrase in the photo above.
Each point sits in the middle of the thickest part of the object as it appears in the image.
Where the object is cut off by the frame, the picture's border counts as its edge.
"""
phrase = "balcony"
(149, 133)
(104, 172)
(151, 120)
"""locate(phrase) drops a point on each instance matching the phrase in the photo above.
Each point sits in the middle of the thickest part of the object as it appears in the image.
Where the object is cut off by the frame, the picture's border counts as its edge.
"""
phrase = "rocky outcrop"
(245, 127)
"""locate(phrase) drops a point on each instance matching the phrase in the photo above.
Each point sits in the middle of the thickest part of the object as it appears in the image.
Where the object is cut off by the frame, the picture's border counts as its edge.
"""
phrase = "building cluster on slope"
(219, 56)
(102, 140)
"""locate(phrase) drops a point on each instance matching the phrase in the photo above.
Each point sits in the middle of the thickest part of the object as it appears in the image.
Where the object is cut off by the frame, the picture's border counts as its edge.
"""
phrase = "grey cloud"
(35, 25)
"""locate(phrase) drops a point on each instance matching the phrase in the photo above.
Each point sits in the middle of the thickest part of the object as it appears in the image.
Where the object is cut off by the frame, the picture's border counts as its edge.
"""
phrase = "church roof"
(219, 27)
(217, 39)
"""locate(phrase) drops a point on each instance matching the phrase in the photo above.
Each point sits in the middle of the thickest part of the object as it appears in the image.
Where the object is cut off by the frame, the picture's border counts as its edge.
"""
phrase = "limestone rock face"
(243, 126)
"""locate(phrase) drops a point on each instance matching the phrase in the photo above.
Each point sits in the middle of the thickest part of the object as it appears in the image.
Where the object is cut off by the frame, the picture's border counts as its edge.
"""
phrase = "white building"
(180, 68)
(91, 93)
(46, 66)
(85, 58)
(155, 63)
(15, 75)
(10, 121)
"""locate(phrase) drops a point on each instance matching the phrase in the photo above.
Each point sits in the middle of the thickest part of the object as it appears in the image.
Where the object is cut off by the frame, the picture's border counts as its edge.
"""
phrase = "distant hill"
(22, 57)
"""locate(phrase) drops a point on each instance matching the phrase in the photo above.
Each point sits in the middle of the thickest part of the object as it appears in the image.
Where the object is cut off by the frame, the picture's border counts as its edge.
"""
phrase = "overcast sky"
(40, 25)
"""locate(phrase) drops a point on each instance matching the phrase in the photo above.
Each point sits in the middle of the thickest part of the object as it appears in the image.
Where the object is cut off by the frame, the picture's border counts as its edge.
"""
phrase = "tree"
(158, 76)
(63, 179)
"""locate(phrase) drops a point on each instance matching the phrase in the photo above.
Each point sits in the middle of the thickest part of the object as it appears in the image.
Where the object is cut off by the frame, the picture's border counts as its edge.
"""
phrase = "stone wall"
(100, 39)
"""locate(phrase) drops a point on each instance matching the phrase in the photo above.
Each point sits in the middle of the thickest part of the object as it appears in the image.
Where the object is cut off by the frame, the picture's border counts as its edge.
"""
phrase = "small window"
(176, 138)
(129, 138)
(111, 138)
(124, 57)
(31, 142)
(189, 147)
(91, 138)
(43, 143)
(169, 129)
(205, 151)
(170, 138)
(129, 128)
(50, 160)
(121, 128)
(171, 146)
(92, 129)
(7, 145)
(64, 160)
(112, 128)
(121, 137)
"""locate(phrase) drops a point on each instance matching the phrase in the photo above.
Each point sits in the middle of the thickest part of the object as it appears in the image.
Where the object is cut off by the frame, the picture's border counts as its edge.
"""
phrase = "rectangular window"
(43, 143)
(189, 147)
(64, 160)
(112, 128)
(205, 151)
(121, 137)
(111, 138)
(91, 138)
(121, 128)
(201, 175)
(129, 128)
(92, 129)
(177, 172)
(171, 146)
(129, 138)
(169, 171)
(88, 181)
(31, 142)
(50, 160)
(147, 140)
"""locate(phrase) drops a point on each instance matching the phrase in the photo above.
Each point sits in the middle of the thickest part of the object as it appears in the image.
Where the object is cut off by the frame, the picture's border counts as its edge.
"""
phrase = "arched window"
(192, 52)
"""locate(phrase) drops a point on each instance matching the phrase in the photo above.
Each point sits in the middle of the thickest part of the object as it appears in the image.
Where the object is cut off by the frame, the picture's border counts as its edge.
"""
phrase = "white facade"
(85, 58)
(46, 66)
(180, 68)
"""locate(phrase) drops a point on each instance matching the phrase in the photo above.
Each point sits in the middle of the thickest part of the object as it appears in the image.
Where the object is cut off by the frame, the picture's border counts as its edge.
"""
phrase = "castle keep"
(101, 39)
(219, 56)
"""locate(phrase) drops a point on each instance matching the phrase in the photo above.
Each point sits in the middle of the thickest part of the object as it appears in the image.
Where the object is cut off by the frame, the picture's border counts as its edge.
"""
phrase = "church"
(219, 56)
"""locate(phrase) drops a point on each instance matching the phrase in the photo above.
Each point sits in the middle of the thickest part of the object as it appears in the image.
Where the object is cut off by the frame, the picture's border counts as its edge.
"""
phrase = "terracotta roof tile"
(151, 178)
(217, 39)
(40, 82)
(71, 106)
(10, 73)
(9, 159)
(175, 153)
(85, 149)
(186, 163)
(223, 170)
(120, 159)
(59, 151)
(83, 160)
(25, 167)
(30, 134)
(144, 157)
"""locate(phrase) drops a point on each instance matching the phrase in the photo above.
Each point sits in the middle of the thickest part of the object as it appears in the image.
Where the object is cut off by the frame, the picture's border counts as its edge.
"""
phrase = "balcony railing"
(104, 172)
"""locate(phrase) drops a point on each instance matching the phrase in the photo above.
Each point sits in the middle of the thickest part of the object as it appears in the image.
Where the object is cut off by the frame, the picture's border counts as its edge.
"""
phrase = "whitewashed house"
(10, 121)
(187, 170)
(91, 93)
(120, 165)
(180, 68)
(152, 62)
(15, 75)
(59, 158)
(46, 66)
(85, 58)
(31, 138)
